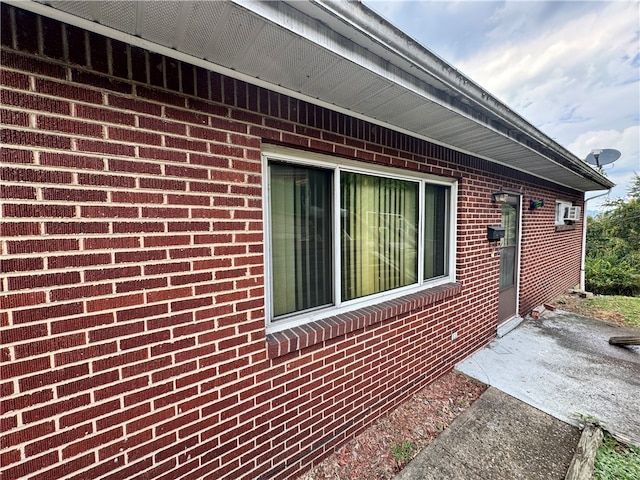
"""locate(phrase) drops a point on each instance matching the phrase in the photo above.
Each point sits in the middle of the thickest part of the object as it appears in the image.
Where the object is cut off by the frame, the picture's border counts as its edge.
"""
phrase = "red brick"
(184, 144)
(25, 401)
(164, 213)
(90, 383)
(74, 195)
(10, 456)
(156, 391)
(63, 470)
(170, 294)
(142, 312)
(120, 387)
(50, 345)
(79, 260)
(156, 183)
(12, 335)
(66, 125)
(57, 440)
(12, 155)
(49, 245)
(34, 102)
(58, 159)
(112, 273)
(134, 136)
(105, 147)
(188, 226)
(70, 91)
(55, 408)
(45, 280)
(135, 105)
(22, 470)
(21, 264)
(52, 377)
(108, 211)
(14, 80)
(90, 413)
(165, 348)
(18, 369)
(75, 228)
(162, 154)
(111, 243)
(118, 165)
(85, 353)
(10, 117)
(133, 285)
(114, 302)
(141, 340)
(18, 300)
(149, 420)
(46, 313)
(191, 304)
(104, 115)
(85, 291)
(38, 210)
(144, 367)
(140, 256)
(119, 360)
(89, 443)
(161, 125)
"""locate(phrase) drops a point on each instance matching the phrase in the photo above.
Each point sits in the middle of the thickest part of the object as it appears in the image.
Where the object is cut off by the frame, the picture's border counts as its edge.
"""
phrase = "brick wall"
(133, 339)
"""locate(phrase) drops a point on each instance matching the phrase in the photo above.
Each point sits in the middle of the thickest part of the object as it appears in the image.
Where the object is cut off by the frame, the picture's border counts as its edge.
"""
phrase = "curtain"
(378, 240)
(301, 247)
(436, 226)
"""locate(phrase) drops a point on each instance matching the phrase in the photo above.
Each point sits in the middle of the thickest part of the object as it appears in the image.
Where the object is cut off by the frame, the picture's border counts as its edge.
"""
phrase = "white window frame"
(272, 153)
(561, 205)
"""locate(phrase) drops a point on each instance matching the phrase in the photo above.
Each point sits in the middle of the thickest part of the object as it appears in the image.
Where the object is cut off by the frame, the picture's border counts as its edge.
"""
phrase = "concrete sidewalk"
(542, 376)
(498, 437)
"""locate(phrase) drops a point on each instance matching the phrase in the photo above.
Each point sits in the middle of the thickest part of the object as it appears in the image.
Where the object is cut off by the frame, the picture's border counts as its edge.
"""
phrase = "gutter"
(391, 38)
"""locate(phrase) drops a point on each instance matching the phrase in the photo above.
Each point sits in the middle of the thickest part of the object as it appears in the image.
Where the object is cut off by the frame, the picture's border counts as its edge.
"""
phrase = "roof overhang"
(340, 55)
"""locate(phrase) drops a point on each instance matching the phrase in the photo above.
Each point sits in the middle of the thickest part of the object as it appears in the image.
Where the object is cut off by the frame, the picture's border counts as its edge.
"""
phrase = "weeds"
(402, 453)
(616, 461)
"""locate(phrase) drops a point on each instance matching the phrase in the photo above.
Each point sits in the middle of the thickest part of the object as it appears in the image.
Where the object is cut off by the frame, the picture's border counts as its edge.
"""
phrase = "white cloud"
(572, 69)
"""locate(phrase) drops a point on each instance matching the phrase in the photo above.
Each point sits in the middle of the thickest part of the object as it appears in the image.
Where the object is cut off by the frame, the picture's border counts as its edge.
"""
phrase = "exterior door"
(509, 247)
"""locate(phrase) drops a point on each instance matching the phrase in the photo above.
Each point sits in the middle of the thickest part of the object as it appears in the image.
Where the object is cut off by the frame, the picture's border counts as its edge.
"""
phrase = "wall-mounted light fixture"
(535, 204)
(499, 197)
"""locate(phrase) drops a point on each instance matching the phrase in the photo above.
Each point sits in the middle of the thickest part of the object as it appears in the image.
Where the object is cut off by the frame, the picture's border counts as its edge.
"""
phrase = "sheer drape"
(300, 238)
(379, 218)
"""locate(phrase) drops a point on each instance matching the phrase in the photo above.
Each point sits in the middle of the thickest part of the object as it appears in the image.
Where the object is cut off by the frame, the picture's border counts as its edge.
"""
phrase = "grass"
(628, 307)
(616, 461)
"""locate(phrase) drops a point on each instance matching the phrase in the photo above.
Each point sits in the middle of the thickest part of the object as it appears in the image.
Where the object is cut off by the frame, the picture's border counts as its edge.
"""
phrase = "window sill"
(303, 336)
(564, 228)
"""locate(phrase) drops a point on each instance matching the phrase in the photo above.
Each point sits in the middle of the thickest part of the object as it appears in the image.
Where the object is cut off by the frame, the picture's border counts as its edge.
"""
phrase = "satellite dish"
(602, 157)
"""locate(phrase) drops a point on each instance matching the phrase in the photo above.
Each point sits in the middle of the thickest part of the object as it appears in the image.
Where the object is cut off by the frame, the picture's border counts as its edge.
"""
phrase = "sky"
(570, 68)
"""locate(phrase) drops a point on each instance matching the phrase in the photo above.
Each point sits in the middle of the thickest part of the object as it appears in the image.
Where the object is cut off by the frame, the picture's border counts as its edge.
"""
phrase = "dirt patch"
(576, 304)
(407, 430)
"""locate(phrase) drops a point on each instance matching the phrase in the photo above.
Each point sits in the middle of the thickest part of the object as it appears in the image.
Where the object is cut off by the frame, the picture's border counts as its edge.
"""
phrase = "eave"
(340, 55)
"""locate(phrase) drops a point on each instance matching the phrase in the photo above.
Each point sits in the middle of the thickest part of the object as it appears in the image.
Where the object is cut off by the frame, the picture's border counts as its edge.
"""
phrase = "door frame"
(517, 260)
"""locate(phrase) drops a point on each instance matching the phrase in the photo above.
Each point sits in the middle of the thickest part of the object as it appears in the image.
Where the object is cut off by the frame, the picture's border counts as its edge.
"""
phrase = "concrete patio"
(562, 364)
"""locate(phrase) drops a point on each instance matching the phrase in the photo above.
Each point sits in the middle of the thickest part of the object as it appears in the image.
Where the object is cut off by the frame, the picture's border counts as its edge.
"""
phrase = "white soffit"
(337, 54)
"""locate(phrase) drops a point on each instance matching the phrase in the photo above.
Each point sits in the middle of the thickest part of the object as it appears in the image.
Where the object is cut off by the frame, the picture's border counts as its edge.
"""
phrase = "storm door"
(509, 254)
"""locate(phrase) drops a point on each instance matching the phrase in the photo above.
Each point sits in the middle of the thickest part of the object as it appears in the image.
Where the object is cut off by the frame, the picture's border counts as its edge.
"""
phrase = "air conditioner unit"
(572, 214)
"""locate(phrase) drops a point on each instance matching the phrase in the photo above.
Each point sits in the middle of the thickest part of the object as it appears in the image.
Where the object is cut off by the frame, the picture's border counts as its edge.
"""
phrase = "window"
(340, 237)
(561, 211)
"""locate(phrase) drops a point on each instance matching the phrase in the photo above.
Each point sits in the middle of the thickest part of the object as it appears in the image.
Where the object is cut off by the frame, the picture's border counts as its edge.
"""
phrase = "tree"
(612, 264)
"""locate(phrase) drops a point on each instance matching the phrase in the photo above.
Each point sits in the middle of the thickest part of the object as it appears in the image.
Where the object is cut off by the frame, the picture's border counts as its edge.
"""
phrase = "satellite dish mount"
(602, 157)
